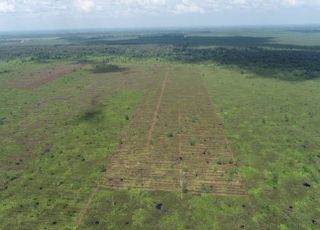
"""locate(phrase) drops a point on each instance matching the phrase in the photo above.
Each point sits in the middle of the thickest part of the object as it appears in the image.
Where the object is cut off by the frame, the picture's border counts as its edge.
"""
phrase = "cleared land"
(172, 162)
(175, 143)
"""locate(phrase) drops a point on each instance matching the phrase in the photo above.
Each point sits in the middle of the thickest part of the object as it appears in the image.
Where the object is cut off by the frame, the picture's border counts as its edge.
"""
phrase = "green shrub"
(106, 68)
(2, 121)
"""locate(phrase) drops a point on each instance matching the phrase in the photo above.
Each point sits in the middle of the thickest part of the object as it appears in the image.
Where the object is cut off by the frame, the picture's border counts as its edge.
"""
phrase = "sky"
(99, 14)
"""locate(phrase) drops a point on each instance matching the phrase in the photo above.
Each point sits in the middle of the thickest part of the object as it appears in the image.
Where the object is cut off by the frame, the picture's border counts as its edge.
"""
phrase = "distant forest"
(257, 54)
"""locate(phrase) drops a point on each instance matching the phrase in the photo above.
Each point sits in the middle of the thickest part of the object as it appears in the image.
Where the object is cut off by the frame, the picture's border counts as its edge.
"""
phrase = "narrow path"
(156, 112)
(179, 153)
(85, 209)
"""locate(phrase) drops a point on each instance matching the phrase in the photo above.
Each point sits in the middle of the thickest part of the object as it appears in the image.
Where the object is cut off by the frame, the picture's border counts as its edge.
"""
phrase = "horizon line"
(144, 28)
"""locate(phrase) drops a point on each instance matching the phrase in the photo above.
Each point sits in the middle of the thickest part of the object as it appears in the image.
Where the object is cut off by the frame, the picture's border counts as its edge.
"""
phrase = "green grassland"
(56, 139)
(272, 126)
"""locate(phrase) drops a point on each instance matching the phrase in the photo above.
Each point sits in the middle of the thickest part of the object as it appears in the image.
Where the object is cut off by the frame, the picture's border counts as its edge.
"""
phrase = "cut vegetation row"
(175, 143)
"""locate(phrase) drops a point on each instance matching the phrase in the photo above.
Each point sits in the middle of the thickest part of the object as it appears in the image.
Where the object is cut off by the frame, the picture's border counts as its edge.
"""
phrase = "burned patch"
(159, 206)
(306, 184)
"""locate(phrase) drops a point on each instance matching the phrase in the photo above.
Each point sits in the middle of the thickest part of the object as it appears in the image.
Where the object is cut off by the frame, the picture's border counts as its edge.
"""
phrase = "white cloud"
(260, 4)
(132, 13)
(300, 2)
(187, 6)
(148, 4)
(144, 7)
(6, 7)
(85, 5)
(121, 8)
(290, 2)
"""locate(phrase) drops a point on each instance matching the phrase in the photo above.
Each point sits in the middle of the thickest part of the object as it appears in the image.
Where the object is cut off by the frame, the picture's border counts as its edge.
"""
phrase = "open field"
(161, 135)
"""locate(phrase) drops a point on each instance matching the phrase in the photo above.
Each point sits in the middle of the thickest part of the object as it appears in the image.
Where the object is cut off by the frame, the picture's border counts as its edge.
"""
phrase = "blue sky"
(81, 14)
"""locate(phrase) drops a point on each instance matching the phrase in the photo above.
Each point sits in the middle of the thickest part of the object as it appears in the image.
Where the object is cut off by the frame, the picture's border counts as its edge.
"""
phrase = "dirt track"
(156, 112)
